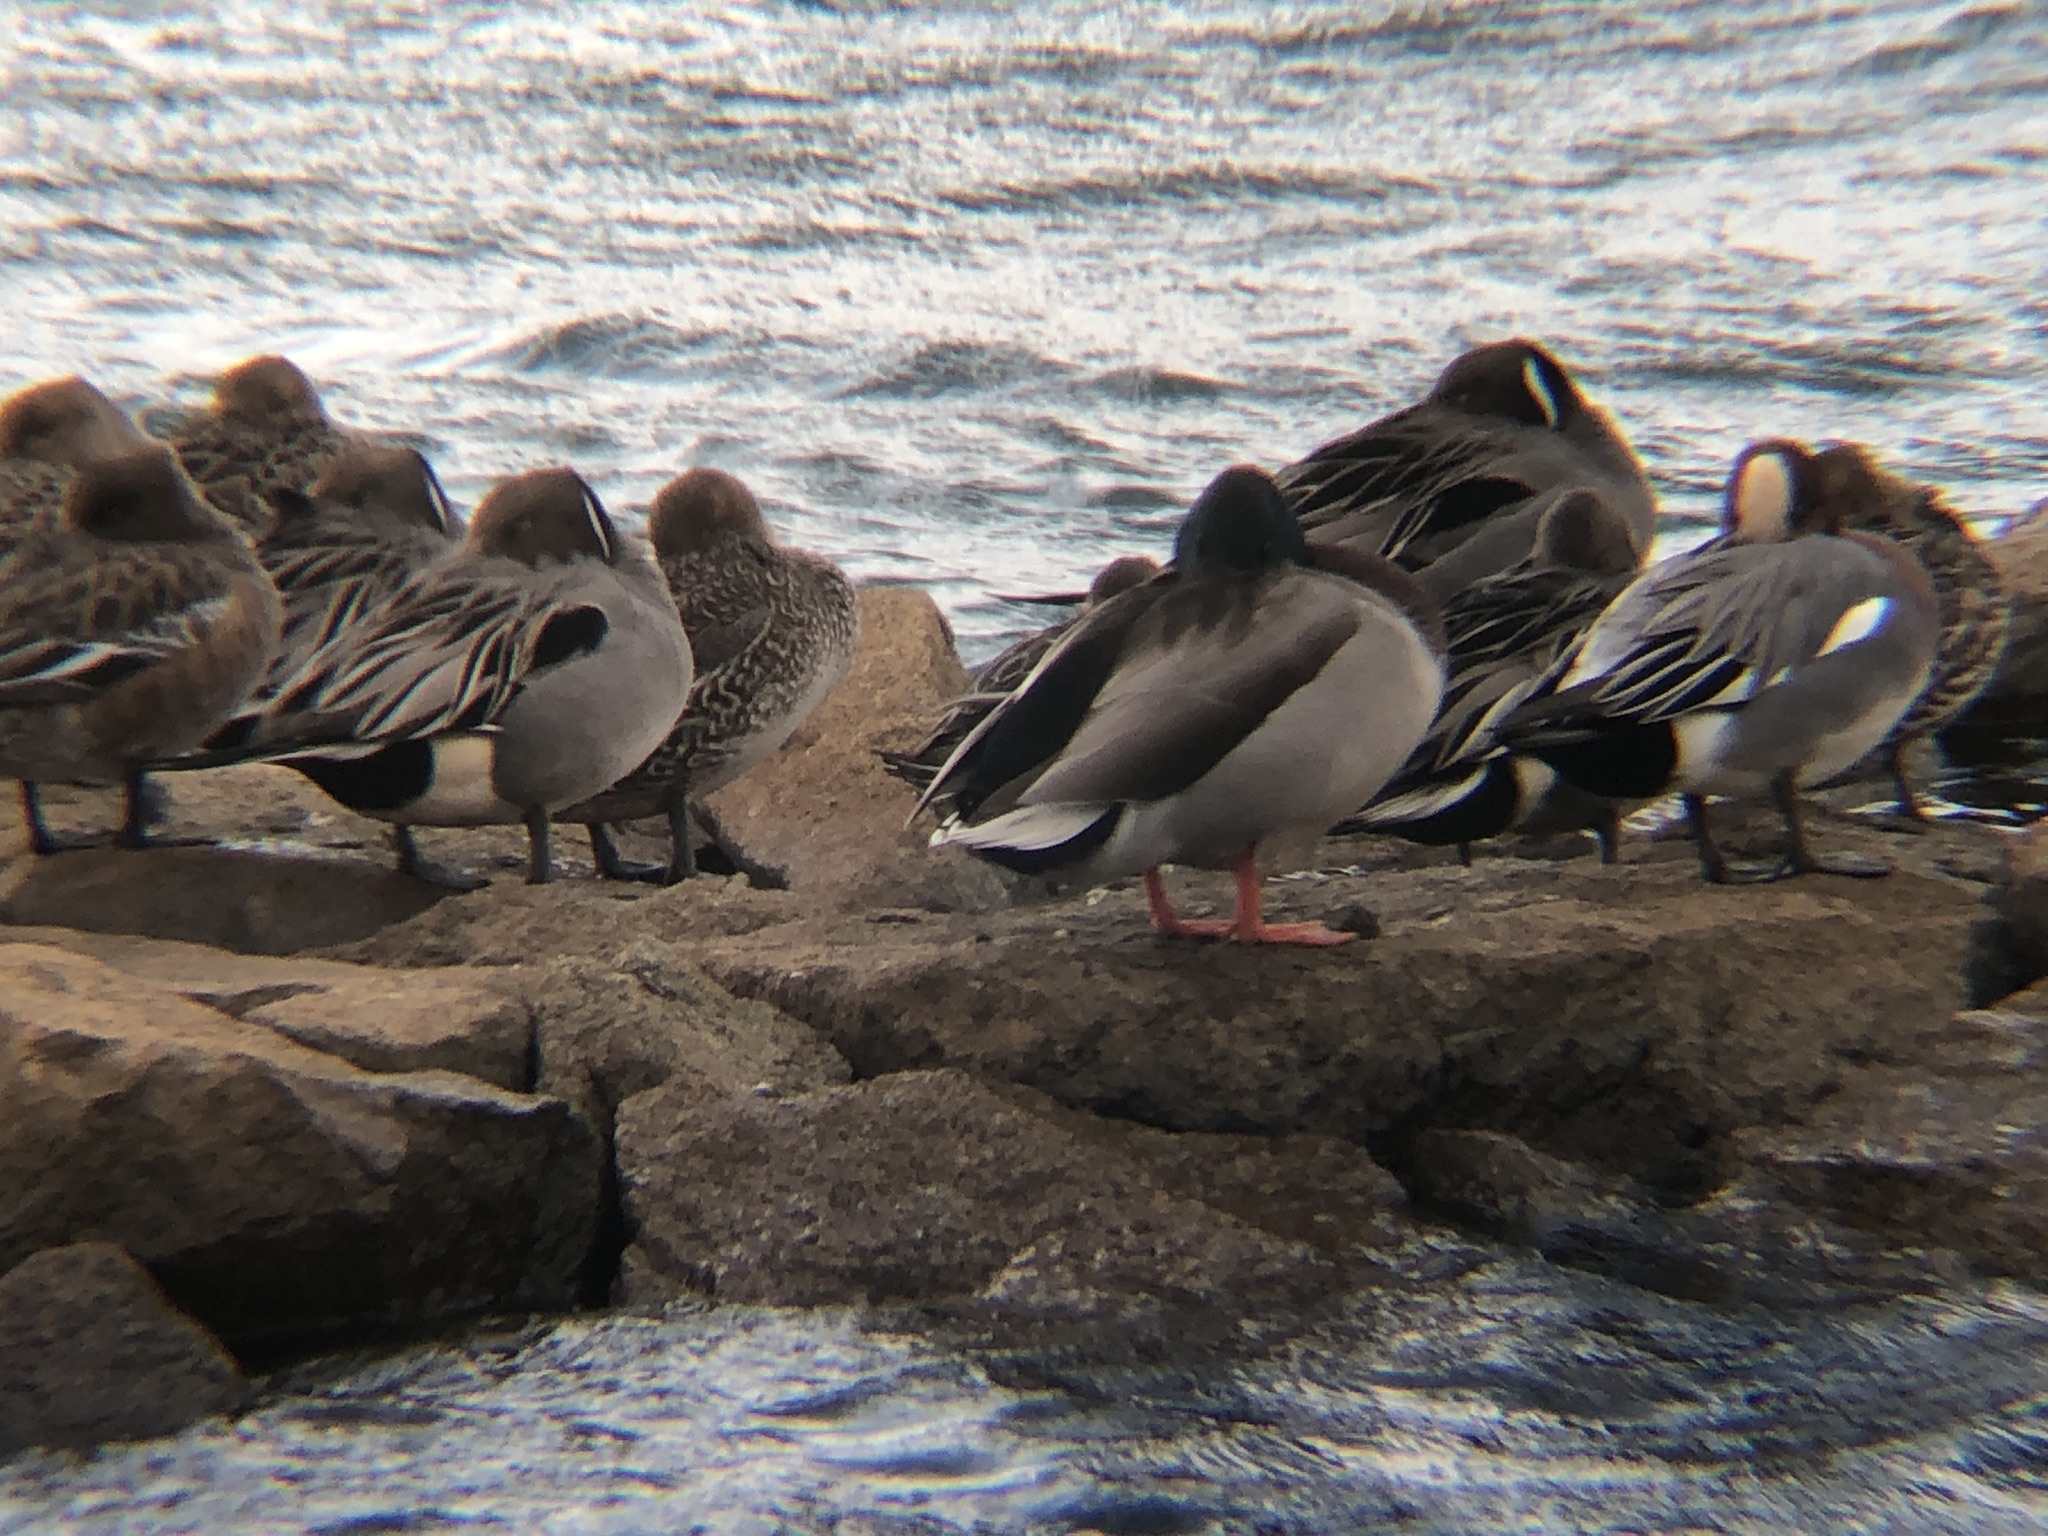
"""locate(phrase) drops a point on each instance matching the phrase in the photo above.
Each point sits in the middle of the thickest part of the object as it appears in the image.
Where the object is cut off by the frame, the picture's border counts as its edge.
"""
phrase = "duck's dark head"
(700, 508)
(1579, 531)
(1515, 380)
(142, 498)
(1239, 525)
(67, 422)
(543, 516)
(396, 484)
(270, 392)
(1774, 494)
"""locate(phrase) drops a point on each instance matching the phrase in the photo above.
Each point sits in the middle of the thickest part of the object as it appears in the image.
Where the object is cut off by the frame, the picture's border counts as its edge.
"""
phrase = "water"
(978, 297)
(1520, 1398)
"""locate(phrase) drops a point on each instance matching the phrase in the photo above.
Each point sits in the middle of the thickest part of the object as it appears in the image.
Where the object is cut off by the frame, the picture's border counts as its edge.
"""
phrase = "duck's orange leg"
(1248, 926)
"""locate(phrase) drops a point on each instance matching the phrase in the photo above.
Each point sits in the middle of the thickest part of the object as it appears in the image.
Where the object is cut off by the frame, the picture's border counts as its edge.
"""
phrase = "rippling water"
(1518, 1399)
(978, 295)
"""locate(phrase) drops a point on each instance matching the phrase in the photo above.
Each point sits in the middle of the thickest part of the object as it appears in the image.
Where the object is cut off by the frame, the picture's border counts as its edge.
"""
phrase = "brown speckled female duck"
(772, 631)
(130, 627)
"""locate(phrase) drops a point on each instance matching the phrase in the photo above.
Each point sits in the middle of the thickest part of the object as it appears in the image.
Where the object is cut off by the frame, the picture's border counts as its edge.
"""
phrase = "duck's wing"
(448, 655)
(1530, 610)
(1712, 630)
(71, 627)
(1206, 668)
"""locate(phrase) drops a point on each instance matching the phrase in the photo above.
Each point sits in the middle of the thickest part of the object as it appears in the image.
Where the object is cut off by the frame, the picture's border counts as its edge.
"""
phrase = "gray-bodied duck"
(1504, 631)
(131, 625)
(535, 666)
(997, 678)
(1775, 656)
(1244, 697)
(1976, 608)
(1503, 424)
(772, 632)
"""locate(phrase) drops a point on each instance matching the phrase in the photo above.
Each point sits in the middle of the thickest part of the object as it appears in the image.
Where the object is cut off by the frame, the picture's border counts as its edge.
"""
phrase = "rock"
(2013, 950)
(90, 1351)
(931, 1187)
(262, 903)
(1738, 1247)
(2005, 722)
(1629, 1017)
(379, 1020)
(823, 809)
(279, 1195)
(605, 1032)
(1944, 1148)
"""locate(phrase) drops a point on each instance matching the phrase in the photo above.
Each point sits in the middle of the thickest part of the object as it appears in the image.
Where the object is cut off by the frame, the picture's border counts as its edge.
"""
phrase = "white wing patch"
(1028, 829)
(1859, 623)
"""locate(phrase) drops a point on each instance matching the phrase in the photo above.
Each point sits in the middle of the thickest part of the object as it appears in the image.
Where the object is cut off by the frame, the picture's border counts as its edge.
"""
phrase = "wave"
(948, 367)
(606, 346)
(1218, 182)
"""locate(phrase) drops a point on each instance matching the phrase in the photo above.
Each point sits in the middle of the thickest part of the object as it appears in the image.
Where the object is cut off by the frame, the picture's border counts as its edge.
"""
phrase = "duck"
(536, 665)
(1976, 607)
(131, 624)
(997, 678)
(1502, 424)
(264, 431)
(1503, 632)
(1241, 700)
(1778, 654)
(48, 431)
(772, 631)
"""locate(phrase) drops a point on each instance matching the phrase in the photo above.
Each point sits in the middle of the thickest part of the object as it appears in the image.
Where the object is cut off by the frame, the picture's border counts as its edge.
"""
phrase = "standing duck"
(48, 432)
(265, 431)
(338, 552)
(1777, 655)
(996, 679)
(1242, 698)
(1976, 609)
(1503, 632)
(130, 625)
(536, 665)
(1503, 424)
(772, 632)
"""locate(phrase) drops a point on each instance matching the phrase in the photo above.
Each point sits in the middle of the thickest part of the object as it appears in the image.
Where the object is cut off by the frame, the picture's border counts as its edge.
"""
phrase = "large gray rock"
(1628, 1017)
(277, 1193)
(930, 1186)
(90, 1350)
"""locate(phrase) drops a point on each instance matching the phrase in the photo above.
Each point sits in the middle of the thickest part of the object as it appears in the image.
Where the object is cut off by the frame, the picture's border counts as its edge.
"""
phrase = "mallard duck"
(536, 665)
(1777, 655)
(1241, 698)
(1503, 633)
(130, 625)
(1503, 424)
(772, 632)
(998, 677)
(1976, 609)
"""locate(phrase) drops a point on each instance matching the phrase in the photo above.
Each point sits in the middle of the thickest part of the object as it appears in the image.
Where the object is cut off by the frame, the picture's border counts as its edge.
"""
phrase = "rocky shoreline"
(264, 1098)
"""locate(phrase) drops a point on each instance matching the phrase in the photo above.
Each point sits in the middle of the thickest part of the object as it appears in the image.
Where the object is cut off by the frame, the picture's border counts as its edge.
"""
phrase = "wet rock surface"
(90, 1350)
(313, 1099)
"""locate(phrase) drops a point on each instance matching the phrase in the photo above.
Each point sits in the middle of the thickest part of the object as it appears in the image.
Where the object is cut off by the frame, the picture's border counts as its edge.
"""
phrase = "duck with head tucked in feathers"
(1503, 633)
(1243, 698)
(130, 625)
(1976, 609)
(1458, 472)
(536, 665)
(1779, 654)
(48, 432)
(772, 632)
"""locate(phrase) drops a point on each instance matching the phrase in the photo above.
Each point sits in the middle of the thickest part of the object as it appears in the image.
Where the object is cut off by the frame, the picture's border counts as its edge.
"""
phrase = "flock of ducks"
(1438, 627)
(252, 583)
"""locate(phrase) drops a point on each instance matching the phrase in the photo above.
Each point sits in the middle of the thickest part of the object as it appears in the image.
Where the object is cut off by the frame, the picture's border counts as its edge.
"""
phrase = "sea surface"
(978, 296)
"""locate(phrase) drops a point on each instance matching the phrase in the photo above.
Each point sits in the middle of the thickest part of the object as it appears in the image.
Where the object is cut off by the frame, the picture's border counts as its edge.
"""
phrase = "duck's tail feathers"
(1033, 839)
